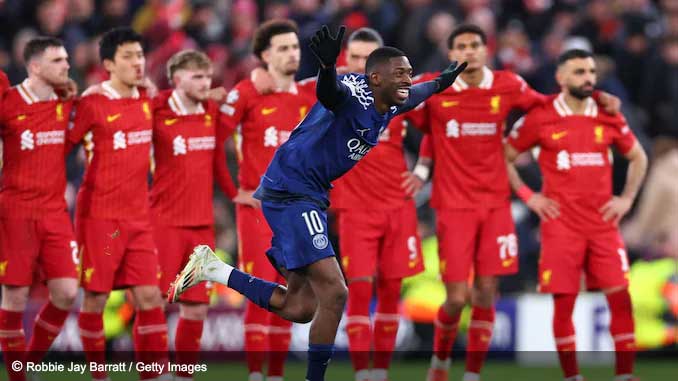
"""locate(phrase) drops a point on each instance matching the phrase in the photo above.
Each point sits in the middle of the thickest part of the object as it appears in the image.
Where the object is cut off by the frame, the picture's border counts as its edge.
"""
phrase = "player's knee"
(338, 295)
(455, 302)
(64, 297)
(193, 311)
(94, 301)
(14, 298)
(147, 297)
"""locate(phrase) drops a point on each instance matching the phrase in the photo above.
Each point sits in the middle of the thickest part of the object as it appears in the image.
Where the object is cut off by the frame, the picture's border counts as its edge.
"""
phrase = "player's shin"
(564, 334)
(319, 356)
(93, 341)
(187, 345)
(47, 326)
(479, 337)
(12, 342)
(385, 326)
(150, 339)
(358, 327)
(256, 340)
(622, 332)
(279, 336)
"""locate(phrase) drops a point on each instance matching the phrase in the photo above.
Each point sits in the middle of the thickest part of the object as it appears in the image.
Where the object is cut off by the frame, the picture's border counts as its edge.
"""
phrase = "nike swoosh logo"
(169, 122)
(112, 118)
(449, 103)
(268, 111)
(558, 135)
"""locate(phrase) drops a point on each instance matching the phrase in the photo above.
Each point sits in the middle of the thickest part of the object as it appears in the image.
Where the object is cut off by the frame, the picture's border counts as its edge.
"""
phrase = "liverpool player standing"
(378, 237)
(112, 214)
(266, 121)
(184, 148)
(36, 233)
(579, 214)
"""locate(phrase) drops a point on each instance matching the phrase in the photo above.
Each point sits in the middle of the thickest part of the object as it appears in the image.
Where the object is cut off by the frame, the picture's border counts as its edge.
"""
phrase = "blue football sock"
(318, 358)
(257, 290)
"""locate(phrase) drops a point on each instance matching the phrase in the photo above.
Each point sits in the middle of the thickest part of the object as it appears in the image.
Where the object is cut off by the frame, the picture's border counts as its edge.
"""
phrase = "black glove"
(325, 47)
(447, 77)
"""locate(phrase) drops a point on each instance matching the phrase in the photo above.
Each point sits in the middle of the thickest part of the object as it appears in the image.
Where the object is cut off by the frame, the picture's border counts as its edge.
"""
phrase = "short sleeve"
(525, 133)
(84, 118)
(523, 96)
(234, 109)
(623, 137)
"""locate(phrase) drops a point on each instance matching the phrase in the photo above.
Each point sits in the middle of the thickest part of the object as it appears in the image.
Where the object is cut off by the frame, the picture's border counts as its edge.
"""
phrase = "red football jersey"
(117, 135)
(33, 178)
(467, 125)
(184, 147)
(4, 82)
(574, 157)
(264, 122)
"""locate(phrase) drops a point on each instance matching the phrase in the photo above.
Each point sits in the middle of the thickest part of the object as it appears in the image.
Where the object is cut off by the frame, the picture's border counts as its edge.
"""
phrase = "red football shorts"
(175, 244)
(567, 254)
(254, 239)
(43, 247)
(481, 240)
(116, 254)
(382, 243)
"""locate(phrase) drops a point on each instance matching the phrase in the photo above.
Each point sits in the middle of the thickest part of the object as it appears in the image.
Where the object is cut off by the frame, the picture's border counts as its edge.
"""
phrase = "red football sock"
(187, 344)
(93, 340)
(150, 339)
(479, 337)
(386, 321)
(622, 331)
(279, 335)
(47, 326)
(445, 331)
(256, 339)
(12, 342)
(563, 332)
(358, 324)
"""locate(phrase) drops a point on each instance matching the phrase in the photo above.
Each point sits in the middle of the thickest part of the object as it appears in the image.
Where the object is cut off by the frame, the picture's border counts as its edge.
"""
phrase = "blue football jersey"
(327, 144)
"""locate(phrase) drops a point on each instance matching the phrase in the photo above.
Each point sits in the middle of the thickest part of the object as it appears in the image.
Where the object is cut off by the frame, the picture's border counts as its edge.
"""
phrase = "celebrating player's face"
(283, 55)
(578, 77)
(396, 80)
(357, 53)
(128, 64)
(469, 47)
(52, 66)
(195, 83)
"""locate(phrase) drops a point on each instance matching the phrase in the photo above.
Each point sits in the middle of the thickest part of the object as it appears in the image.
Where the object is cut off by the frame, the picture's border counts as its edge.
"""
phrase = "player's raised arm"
(330, 92)
(422, 91)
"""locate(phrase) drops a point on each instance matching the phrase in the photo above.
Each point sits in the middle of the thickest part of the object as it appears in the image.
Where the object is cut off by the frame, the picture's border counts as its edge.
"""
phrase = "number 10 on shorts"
(313, 222)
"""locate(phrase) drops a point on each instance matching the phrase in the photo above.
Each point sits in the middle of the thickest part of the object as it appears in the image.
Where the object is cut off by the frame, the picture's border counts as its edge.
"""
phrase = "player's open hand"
(545, 208)
(325, 47)
(615, 209)
(151, 88)
(246, 198)
(447, 77)
(263, 81)
(411, 184)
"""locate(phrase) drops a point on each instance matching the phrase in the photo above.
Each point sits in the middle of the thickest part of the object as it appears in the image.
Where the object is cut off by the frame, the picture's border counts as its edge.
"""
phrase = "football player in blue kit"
(341, 128)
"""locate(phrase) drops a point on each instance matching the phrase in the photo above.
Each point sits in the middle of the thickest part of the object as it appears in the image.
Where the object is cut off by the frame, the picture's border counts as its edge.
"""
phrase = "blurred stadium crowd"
(636, 43)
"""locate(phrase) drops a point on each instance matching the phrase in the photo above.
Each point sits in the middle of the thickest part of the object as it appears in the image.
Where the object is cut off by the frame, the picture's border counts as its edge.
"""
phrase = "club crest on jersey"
(147, 110)
(598, 133)
(320, 241)
(208, 120)
(59, 112)
(495, 103)
(359, 89)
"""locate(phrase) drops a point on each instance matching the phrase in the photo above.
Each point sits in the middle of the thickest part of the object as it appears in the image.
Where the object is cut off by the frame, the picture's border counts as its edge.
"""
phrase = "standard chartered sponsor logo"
(29, 139)
(453, 129)
(357, 149)
(274, 137)
(122, 140)
(203, 143)
(179, 145)
(27, 142)
(566, 160)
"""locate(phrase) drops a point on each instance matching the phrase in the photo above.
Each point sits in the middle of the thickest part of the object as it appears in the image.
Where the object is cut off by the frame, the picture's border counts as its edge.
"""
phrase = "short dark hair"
(572, 54)
(366, 35)
(266, 31)
(38, 45)
(381, 55)
(466, 28)
(114, 38)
